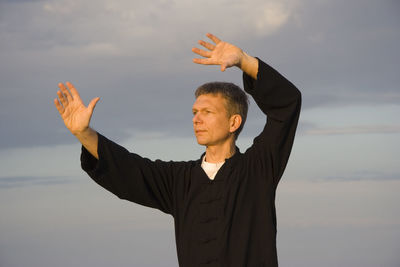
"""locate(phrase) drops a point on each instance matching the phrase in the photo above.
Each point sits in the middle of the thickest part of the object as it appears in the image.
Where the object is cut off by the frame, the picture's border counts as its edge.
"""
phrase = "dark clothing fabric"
(226, 222)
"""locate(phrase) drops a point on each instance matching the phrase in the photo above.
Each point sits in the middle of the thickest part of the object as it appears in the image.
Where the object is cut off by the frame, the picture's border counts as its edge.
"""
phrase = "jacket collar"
(227, 161)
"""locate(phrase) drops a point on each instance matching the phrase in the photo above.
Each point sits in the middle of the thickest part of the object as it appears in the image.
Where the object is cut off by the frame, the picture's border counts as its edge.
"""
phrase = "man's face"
(211, 122)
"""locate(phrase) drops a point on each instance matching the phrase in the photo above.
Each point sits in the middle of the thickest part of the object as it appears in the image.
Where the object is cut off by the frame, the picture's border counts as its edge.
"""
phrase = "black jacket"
(226, 222)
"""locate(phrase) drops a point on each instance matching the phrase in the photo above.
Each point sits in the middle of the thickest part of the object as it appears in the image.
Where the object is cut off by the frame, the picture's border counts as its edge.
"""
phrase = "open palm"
(222, 53)
(75, 114)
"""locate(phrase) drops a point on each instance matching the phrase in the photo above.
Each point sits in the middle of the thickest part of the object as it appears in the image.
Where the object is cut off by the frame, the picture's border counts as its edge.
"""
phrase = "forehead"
(210, 101)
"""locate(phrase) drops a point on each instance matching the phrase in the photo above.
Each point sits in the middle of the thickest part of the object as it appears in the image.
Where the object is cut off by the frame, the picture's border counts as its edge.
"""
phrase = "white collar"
(211, 169)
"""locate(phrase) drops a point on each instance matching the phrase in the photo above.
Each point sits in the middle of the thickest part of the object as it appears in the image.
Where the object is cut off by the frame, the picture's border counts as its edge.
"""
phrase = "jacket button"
(209, 220)
(209, 261)
(207, 240)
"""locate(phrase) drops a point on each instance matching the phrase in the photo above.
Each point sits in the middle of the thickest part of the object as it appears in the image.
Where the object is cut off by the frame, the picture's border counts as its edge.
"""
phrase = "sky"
(337, 203)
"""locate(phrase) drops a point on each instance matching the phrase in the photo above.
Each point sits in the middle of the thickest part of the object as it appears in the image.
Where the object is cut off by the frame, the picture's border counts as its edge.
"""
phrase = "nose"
(196, 118)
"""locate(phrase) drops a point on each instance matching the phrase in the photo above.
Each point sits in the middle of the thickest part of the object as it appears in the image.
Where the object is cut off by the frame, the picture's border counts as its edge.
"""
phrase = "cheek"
(222, 124)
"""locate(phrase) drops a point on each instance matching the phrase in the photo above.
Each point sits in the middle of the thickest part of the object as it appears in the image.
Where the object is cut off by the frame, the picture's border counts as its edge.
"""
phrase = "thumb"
(93, 103)
(223, 67)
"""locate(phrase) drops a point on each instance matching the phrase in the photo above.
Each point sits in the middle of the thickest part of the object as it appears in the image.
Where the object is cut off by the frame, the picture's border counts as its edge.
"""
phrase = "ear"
(234, 122)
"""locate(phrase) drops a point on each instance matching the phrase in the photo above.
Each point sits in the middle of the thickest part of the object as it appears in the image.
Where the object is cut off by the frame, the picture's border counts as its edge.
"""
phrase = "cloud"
(361, 129)
(136, 56)
(127, 25)
(273, 16)
(23, 181)
(335, 203)
(365, 175)
(19, 1)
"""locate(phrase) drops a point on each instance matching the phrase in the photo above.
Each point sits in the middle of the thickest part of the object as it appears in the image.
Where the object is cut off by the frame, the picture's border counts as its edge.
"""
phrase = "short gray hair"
(236, 99)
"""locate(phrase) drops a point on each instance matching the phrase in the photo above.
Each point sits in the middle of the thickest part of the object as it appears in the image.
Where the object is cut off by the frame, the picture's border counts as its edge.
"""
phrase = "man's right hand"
(76, 116)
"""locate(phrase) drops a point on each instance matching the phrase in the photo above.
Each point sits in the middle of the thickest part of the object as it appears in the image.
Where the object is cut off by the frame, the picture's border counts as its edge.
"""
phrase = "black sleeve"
(129, 176)
(280, 100)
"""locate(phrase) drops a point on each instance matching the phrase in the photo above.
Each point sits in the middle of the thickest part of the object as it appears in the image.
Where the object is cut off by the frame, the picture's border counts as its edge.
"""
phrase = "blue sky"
(337, 203)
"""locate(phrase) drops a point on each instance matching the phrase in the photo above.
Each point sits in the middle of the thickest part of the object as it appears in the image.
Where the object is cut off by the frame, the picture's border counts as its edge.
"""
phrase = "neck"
(215, 154)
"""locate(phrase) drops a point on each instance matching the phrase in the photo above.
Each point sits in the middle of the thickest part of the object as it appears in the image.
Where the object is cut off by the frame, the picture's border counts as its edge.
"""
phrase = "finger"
(207, 45)
(63, 98)
(93, 103)
(204, 61)
(65, 91)
(201, 52)
(73, 91)
(58, 105)
(223, 67)
(213, 38)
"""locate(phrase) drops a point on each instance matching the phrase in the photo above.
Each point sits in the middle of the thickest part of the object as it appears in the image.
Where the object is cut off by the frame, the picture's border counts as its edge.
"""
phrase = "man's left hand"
(226, 55)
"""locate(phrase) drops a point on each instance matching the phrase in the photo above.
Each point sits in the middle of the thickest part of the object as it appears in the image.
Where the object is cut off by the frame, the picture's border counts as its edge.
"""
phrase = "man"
(223, 204)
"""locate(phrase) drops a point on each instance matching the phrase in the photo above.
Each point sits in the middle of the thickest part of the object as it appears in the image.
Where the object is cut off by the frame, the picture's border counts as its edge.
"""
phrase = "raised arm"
(277, 97)
(226, 55)
(76, 116)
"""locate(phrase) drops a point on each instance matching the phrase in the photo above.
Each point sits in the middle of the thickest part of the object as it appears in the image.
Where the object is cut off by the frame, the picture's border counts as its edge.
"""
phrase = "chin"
(201, 142)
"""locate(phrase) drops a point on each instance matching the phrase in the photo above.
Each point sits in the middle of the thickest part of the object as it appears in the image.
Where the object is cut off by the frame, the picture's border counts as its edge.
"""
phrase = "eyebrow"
(204, 108)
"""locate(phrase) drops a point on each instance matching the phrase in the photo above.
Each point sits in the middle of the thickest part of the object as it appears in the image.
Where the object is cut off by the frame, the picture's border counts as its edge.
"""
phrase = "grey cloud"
(304, 126)
(140, 65)
(364, 175)
(357, 129)
(19, 1)
(23, 181)
(342, 52)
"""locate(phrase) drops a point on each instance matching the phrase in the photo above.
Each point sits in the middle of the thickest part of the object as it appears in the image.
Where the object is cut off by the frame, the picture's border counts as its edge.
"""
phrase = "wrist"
(242, 60)
(89, 139)
(249, 65)
(84, 133)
